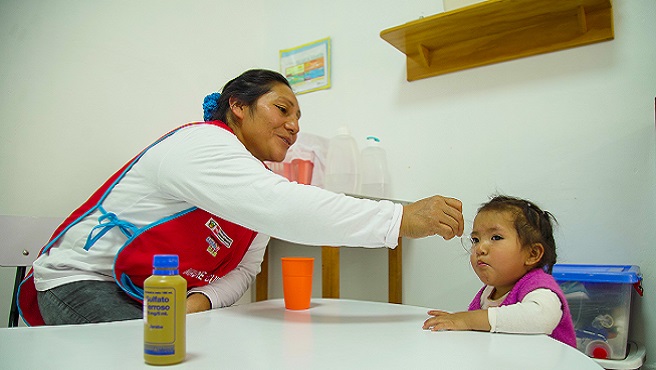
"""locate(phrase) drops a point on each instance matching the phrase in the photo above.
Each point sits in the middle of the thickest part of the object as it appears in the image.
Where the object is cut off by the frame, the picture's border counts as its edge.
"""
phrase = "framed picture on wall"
(307, 67)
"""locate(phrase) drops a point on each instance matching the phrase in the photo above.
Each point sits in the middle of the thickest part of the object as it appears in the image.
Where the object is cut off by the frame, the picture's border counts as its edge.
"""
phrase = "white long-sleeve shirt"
(208, 167)
(538, 313)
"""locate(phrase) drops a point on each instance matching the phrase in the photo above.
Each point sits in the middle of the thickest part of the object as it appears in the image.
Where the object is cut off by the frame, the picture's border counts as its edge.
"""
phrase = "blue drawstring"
(131, 288)
(107, 222)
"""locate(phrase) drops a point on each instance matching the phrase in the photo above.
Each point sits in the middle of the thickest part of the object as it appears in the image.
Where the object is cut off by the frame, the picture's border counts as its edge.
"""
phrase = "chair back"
(23, 237)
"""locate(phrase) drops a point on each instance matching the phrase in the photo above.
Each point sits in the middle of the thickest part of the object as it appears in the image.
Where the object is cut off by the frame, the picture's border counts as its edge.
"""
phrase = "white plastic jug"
(374, 178)
(342, 163)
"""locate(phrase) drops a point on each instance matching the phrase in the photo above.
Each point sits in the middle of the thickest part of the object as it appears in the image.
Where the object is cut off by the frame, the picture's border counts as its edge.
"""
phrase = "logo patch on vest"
(212, 246)
(201, 275)
(219, 233)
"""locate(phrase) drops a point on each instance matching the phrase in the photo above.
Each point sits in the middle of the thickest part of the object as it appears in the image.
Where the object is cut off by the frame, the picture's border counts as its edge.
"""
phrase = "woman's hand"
(431, 216)
(197, 302)
(468, 320)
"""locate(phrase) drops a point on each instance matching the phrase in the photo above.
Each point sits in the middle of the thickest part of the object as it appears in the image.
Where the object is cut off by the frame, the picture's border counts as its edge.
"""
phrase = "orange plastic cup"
(302, 171)
(287, 171)
(297, 282)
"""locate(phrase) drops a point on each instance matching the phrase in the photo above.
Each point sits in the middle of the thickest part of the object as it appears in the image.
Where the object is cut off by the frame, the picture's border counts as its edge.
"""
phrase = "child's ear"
(535, 254)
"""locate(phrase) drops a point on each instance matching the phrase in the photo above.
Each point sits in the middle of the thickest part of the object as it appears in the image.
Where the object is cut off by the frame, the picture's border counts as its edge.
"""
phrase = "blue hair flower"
(210, 105)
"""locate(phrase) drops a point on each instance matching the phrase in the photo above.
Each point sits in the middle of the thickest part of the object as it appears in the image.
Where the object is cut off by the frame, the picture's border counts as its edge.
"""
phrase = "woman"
(202, 192)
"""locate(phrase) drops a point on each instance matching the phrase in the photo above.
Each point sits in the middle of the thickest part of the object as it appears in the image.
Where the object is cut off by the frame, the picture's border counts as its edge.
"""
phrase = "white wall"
(85, 85)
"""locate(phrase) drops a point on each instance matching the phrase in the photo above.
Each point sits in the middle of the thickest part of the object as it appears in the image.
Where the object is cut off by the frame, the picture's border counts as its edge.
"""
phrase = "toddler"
(512, 252)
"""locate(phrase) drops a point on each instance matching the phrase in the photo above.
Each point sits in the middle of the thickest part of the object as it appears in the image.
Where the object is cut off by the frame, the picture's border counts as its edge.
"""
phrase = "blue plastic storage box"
(599, 298)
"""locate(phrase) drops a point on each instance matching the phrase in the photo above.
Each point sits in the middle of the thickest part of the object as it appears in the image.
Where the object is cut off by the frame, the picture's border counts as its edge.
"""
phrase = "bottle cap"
(373, 141)
(343, 130)
(165, 261)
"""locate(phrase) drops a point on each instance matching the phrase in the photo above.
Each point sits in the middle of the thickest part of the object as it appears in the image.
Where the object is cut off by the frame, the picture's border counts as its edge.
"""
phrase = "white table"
(332, 334)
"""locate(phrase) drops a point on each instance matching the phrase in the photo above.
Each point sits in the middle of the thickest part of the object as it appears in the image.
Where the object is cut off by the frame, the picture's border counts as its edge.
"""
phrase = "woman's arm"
(228, 289)
(209, 168)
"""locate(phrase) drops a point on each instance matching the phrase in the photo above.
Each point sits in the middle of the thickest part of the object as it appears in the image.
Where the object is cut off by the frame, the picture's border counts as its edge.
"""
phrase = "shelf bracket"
(583, 23)
(424, 55)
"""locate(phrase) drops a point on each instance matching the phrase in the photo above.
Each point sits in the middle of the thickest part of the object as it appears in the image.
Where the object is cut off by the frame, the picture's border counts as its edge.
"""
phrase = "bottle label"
(159, 315)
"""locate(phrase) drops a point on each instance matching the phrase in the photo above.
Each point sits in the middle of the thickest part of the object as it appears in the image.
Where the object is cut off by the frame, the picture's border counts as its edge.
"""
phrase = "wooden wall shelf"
(498, 30)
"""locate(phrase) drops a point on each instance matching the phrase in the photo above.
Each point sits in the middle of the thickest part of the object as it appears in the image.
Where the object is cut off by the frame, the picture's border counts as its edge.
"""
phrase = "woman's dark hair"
(533, 225)
(246, 89)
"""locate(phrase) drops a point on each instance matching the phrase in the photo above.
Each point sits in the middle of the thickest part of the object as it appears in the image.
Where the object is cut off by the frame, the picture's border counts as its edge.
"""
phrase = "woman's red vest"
(208, 246)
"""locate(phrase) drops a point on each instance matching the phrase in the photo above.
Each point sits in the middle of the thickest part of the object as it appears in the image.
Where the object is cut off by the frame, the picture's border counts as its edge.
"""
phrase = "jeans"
(87, 301)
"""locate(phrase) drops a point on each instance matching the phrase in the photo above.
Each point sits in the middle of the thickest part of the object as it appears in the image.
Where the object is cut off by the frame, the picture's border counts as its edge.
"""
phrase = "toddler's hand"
(443, 320)
(467, 320)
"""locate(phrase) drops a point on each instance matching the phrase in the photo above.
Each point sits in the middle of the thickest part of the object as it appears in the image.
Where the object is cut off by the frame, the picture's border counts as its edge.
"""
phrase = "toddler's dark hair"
(533, 225)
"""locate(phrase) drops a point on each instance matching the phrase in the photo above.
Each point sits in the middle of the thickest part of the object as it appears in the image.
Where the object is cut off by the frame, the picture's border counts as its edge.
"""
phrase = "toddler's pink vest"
(536, 279)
